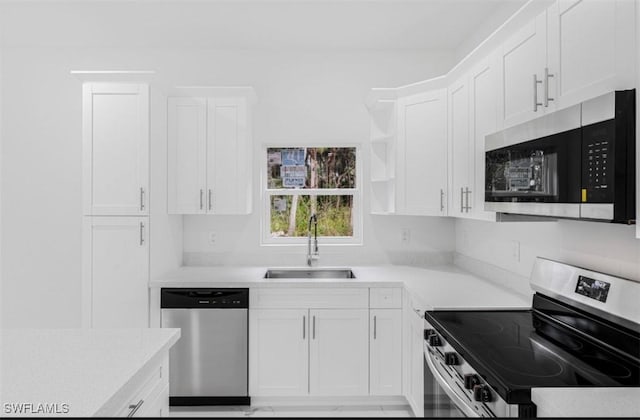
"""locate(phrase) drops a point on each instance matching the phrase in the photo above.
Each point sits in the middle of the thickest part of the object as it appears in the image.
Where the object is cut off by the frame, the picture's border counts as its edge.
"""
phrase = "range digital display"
(594, 289)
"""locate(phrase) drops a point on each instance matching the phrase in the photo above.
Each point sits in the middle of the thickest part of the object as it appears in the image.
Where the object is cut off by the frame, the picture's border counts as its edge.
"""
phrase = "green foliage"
(334, 216)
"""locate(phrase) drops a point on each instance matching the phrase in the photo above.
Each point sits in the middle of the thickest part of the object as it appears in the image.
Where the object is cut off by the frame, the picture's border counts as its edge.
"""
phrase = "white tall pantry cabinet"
(115, 144)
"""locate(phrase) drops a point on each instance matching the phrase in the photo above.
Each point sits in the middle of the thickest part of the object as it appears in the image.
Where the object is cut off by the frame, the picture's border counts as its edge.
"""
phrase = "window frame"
(266, 193)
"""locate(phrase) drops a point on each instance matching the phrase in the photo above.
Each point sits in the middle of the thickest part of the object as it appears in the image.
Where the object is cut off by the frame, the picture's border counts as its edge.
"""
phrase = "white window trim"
(265, 197)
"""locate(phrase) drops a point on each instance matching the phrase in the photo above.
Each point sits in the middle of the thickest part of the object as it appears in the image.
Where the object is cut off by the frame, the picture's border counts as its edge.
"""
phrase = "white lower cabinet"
(325, 342)
(116, 272)
(279, 352)
(385, 351)
(339, 340)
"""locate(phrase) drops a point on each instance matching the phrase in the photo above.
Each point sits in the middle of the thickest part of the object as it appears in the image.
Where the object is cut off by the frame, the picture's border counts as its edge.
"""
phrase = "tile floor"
(293, 411)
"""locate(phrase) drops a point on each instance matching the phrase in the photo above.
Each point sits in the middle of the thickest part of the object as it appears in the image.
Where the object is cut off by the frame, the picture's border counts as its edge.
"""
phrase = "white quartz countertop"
(82, 368)
(433, 288)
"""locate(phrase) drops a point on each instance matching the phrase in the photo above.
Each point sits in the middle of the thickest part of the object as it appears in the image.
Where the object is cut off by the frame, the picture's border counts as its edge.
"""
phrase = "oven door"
(440, 399)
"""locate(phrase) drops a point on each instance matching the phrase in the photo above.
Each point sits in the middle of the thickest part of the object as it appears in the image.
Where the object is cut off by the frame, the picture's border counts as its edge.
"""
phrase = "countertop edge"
(111, 404)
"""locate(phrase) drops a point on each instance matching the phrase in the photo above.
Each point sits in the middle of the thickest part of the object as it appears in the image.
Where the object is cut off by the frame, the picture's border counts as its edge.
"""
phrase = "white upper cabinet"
(422, 154)
(574, 51)
(116, 272)
(228, 156)
(187, 159)
(591, 49)
(483, 117)
(523, 58)
(461, 146)
(210, 153)
(115, 149)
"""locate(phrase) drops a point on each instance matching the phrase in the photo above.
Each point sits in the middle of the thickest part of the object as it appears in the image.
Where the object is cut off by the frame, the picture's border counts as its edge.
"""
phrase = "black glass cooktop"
(515, 351)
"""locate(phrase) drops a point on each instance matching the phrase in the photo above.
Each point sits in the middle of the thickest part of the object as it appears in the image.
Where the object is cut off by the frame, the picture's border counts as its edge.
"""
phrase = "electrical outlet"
(405, 237)
(515, 250)
(212, 238)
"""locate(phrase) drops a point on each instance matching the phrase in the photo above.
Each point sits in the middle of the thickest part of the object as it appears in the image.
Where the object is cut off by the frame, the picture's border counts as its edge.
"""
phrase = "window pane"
(311, 167)
(334, 215)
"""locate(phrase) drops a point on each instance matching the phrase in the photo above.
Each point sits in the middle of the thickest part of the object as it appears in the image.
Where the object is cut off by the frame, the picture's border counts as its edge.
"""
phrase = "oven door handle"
(457, 400)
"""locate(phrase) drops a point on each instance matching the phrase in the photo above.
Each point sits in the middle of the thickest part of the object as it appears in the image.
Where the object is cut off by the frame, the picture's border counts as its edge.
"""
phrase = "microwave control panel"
(597, 168)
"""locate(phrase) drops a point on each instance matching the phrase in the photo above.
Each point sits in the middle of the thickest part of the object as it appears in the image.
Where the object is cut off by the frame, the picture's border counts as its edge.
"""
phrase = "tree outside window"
(302, 181)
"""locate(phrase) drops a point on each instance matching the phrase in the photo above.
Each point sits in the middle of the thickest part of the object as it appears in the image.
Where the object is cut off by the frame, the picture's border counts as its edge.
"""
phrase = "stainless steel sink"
(302, 273)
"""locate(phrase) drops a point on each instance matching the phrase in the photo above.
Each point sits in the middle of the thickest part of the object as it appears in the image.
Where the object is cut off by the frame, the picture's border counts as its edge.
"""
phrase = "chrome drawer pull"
(134, 408)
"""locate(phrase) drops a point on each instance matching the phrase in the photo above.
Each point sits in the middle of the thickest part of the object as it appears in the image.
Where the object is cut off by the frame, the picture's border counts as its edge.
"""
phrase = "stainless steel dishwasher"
(209, 364)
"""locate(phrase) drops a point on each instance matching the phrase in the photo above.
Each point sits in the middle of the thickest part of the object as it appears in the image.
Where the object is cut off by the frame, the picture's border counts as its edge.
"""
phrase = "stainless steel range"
(583, 331)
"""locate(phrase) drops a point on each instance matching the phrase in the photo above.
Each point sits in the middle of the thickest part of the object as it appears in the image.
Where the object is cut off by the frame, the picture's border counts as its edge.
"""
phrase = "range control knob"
(428, 332)
(451, 358)
(434, 341)
(471, 380)
(482, 393)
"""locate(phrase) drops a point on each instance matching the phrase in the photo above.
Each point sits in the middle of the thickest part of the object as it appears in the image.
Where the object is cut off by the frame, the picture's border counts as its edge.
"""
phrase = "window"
(301, 181)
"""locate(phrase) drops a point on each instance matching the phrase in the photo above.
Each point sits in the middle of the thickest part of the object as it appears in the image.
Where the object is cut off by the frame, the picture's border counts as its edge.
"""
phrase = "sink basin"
(302, 273)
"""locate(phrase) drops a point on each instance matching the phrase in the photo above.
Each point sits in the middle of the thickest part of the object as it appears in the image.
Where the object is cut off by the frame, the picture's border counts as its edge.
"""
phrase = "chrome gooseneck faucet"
(313, 257)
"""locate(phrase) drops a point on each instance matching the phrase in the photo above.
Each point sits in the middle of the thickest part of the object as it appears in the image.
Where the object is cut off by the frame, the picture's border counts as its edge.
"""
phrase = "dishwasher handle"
(231, 298)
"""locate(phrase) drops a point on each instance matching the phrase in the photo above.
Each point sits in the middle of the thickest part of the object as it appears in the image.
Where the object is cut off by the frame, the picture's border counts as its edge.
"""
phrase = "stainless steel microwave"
(577, 163)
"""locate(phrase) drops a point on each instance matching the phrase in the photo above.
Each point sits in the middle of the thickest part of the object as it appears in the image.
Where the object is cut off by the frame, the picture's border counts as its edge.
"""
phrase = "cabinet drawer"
(385, 297)
(146, 391)
(312, 298)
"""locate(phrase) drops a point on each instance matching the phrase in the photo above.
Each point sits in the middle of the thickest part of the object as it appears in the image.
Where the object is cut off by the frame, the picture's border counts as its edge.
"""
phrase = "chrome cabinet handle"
(547, 75)
(304, 327)
(201, 198)
(141, 233)
(375, 327)
(441, 199)
(210, 200)
(467, 191)
(314, 327)
(141, 199)
(134, 408)
(536, 104)
(461, 200)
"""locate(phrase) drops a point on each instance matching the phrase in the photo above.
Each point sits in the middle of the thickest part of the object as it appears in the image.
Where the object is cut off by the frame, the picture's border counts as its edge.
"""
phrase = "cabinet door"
(338, 352)
(591, 49)
(115, 149)
(483, 115)
(187, 158)
(116, 272)
(279, 352)
(522, 57)
(461, 160)
(228, 157)
(422, 154)
(385, 351)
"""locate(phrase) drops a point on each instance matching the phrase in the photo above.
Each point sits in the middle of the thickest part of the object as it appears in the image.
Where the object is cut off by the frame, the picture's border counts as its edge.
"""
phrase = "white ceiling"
(249, 24)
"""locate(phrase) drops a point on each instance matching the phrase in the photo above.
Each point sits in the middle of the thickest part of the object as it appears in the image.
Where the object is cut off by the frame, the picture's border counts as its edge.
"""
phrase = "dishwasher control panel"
(204, 298)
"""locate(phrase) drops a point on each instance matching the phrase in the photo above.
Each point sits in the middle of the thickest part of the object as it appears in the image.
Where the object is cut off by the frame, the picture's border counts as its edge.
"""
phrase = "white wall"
(605, 247)
(303, 96)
